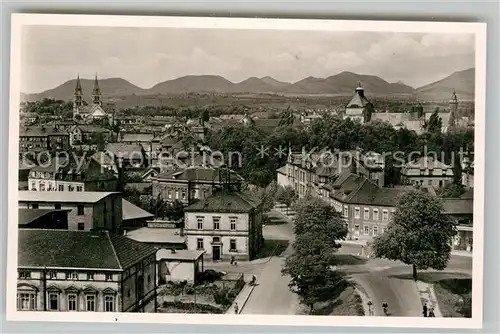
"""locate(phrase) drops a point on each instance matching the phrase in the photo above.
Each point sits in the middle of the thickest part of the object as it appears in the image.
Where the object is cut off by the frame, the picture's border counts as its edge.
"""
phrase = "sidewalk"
(241, 299)
(427, 295)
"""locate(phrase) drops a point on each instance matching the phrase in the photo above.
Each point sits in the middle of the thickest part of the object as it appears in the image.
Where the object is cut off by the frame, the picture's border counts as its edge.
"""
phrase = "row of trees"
(333, 133)
(274, 193)
(418, 235)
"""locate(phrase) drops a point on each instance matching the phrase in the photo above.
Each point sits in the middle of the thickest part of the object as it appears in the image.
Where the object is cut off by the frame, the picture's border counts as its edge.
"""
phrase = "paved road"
(387, 281)
(272, 295)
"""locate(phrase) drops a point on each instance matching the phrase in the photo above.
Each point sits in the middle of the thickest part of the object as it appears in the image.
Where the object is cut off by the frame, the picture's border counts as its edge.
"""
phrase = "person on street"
(425, 310)
(232, 259)
(384, 307)
(236, 308)
(431, 313)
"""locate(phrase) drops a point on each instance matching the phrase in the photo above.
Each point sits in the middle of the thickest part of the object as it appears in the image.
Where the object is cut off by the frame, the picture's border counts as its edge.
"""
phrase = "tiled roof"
(78, 249)
(27, 216)
(358, 100)
(225, 201)
(131, 211)
(38, 131)
(426, 162)
(197, 174)
(62, 196)
(454, 206)
(125, 150)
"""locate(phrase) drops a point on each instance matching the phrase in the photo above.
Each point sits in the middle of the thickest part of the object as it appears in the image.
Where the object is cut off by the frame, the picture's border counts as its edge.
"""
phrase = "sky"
(52, 55)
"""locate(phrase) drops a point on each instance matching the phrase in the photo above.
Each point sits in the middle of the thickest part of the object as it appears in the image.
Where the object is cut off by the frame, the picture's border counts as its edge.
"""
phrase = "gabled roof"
(78, 249)
(27, 216)
(358, 100)
(62, 196)
(42, 131)
(137, 137)
(198, 174)
(225, 201)
(132, 211)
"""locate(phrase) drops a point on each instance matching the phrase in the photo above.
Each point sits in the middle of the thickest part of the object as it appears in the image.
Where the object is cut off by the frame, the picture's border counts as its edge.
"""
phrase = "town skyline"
(412, 58)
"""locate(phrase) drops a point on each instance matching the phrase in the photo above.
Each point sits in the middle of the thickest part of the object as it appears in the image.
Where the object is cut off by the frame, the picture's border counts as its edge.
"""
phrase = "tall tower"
(78, 101)
(96, 92)
(453, 110)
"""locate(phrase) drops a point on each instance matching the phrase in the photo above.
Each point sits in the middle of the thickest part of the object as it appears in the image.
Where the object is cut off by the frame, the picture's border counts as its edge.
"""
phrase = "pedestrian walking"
(431, 313)
(425, 310)
(236, 308)
(232, 259)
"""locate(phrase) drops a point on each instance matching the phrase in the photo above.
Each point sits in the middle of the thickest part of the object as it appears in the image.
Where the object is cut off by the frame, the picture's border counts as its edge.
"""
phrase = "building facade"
(427, 172)
(36, 139)
(226, 225)
(87, 210)
(112, 274)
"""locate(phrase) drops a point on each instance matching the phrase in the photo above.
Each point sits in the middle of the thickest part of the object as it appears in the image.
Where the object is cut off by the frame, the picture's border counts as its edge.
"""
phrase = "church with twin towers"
(83, 110)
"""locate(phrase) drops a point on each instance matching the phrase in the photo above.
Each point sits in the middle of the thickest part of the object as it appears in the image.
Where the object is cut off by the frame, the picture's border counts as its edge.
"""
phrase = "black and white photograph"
(246, 171)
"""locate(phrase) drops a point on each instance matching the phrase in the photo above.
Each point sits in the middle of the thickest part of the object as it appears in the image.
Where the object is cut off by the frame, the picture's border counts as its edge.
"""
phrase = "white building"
(226, 224)
(179, 265)
(427, 172)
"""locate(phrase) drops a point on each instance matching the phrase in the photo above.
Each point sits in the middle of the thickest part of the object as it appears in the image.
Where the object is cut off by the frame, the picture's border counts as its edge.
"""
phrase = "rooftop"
(132, 211)
(179, 254)
(157, 235)
(198, 174)
(27, 216)
(427, 163)
(41, 131)
(79, 249)
(62, 196)
(457, 206)
(137, 137)
(225, 201)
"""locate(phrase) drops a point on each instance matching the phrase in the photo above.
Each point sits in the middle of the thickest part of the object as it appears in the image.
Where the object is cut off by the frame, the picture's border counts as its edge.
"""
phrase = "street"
(381, 280)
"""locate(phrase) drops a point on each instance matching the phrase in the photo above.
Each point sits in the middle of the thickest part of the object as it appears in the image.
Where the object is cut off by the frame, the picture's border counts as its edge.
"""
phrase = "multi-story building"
(359, 108)
(88, 210)
(88, 134)
(81, 271)
(89, 176)
(43, 138)
(427, 172)
(309, 174)
(366, 207)
(191, 183)
(226, 224)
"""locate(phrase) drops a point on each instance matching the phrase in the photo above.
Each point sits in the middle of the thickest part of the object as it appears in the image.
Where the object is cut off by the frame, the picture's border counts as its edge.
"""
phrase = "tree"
(435, 123)
(318, 228)
(419, 234)
(286, 195)
(267, 195)
(452, 190)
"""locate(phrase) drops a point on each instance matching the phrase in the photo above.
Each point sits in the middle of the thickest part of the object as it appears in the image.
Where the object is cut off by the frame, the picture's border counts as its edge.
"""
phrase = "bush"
(221, 297)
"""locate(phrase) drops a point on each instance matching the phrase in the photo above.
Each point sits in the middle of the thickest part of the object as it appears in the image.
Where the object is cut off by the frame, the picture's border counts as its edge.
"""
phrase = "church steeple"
(96, 92)
(78, 102)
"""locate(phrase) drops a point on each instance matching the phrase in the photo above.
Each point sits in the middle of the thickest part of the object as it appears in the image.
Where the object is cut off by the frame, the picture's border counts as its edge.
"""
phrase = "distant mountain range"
(339, 84)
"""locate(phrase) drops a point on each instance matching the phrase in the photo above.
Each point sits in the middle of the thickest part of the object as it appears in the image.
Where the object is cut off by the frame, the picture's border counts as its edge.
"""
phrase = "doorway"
(216, 252)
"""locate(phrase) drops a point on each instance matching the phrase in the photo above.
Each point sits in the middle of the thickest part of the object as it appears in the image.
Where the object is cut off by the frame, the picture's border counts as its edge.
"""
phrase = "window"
(52, 274)
(232, 223)
(385, 215)
(346, 211)
(109, 303)
(26, 301)
(53, 301)
(81, 226)
(34, 205)
(109, 277)
(177, 194)
(200, 223)
(366, 215)
(71, 187)
(90, 276)
(382, 230)
(170, 194)
(80, 210)
(429, 182)
(375, 214)
(90, 302)
(79, 188)
(61, 187)
(356, 229)
(72, 275)
(42, 186)
(24, 275)
(72, 302)
(216, 223)
(357, 213)
(199, 244)
(232, 245)
(183, 194)
(366, 230)
(57, 206)
(375, 231)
